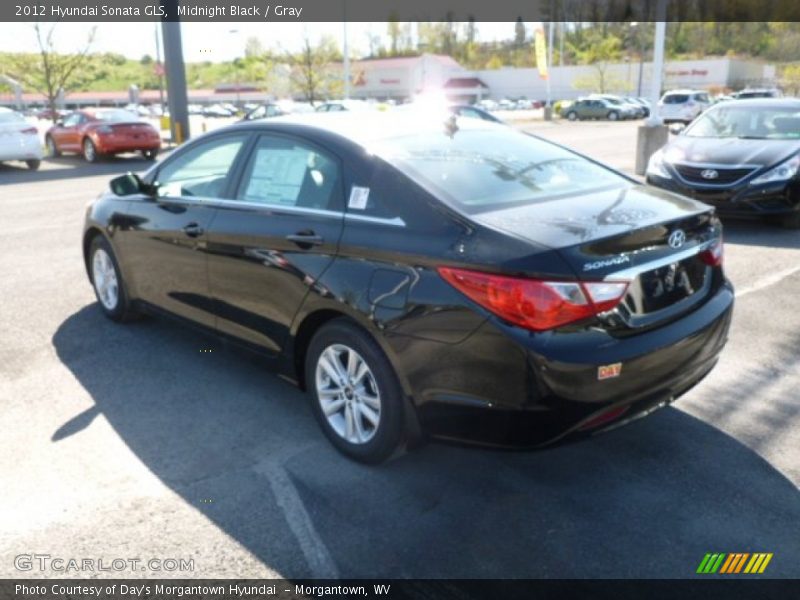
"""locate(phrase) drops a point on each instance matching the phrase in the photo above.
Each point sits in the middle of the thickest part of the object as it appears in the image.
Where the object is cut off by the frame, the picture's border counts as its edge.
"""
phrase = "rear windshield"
(676, 98)
(480, 170)
(10, 117)
(115, 116)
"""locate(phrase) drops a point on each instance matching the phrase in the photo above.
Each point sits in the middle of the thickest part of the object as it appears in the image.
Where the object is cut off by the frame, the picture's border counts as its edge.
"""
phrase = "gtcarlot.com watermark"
(59, 564)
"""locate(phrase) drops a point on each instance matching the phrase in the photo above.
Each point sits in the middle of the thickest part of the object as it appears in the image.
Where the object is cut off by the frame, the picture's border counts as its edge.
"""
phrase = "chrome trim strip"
(217, 203)
(632, 273)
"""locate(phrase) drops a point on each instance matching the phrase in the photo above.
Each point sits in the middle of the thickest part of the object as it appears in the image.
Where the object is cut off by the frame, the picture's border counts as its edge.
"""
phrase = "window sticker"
(358, 198)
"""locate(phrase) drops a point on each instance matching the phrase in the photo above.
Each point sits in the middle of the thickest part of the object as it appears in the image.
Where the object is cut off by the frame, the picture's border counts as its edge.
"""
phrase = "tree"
(790, 79)
(53, 73)
(394, 32)
(312, 73)
(253, 47)
(600, 50)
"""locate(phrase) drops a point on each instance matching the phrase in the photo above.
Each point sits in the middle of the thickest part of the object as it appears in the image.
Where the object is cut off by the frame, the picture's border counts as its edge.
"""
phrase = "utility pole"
(346, 60)
(176, 75)
(159, 71)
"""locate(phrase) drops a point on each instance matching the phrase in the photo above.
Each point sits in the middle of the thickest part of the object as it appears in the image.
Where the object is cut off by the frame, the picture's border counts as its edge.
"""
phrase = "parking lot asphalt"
(135, 441)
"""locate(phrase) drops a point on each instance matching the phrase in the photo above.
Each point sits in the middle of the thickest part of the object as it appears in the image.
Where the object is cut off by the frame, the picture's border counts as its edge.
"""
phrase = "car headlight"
(656, 166)
(783, 172)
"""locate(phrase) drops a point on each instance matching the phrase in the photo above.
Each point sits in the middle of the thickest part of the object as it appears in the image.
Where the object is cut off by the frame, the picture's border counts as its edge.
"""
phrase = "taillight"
(532, 303)
(713, 255)
(30, 131)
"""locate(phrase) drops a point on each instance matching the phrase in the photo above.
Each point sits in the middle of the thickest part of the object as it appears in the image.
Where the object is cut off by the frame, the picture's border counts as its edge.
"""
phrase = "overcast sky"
(208, 41)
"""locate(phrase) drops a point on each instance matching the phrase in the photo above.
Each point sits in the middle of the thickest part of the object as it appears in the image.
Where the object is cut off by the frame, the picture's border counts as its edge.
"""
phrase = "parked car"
(217, 110)
(264, 111)
(472, 112)
(19, 140)
(742, 157)
(748, 94)
(344, 105)
(682, 106)
(597, 108)
(475, 284)
(103, 131)
(641, 102)
(487, 104)
(633, 109)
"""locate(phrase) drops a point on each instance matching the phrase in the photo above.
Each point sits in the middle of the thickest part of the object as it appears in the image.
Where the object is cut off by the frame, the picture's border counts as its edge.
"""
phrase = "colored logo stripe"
(734, 562)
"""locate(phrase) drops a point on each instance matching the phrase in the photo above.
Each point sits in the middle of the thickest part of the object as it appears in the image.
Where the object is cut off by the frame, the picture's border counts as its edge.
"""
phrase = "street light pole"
(345, 52)
(236, 74)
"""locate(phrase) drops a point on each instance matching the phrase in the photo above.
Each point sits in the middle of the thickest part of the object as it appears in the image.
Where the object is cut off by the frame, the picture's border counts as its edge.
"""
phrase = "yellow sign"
(540, 47)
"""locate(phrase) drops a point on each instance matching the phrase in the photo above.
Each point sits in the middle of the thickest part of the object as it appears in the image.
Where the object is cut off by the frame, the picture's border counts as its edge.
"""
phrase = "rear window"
(115, 116)
(676, 98)
(701, 97)
(10, 117)
(480, 170)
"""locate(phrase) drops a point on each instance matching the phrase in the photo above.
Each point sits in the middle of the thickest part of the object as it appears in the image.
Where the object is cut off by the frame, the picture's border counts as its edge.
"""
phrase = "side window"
(72, 120)
(201, 171)
(286, 172)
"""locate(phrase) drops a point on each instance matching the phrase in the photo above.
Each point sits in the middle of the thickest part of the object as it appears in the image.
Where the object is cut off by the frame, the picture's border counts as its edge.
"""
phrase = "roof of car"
(365, 128)
(764, 102)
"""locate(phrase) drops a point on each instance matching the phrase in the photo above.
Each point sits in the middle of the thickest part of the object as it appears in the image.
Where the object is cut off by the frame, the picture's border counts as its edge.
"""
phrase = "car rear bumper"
(122, 145)
(505, 387)
(29, 149)
(742, 200)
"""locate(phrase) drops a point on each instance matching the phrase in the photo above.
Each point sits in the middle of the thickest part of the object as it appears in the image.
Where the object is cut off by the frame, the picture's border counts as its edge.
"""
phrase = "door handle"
(193, 230)
(305, 239)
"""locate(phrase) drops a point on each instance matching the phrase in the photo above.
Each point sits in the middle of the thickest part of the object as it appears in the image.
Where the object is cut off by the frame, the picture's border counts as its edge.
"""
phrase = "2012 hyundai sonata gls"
(458, 280)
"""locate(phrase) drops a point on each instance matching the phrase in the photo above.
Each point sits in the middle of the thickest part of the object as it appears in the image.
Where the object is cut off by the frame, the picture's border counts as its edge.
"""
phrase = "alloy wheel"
(104, 276)
(348, 393)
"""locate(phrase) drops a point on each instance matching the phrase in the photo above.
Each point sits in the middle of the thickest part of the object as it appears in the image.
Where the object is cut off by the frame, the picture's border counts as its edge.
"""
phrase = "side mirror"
(60, 123)
(130, 184)
(677, 128)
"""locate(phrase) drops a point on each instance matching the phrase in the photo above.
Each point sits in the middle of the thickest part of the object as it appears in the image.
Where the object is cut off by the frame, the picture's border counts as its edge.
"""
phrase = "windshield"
(479, 170)
(115, 115)
(10, 117)
(731, 121)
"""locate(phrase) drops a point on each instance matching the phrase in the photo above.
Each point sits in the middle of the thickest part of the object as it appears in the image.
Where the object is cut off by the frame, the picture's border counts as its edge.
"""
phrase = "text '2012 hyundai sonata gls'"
(456, 280)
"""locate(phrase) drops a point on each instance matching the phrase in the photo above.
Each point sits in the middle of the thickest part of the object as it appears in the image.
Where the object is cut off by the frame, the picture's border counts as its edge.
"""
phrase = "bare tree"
(53, 72)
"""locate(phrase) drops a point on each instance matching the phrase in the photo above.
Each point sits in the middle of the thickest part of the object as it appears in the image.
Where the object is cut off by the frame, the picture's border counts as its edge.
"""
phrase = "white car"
(682, 106)
(19, 140)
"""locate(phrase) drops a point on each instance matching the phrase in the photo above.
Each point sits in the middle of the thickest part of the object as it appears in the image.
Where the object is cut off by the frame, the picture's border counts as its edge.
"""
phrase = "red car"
(103, 131)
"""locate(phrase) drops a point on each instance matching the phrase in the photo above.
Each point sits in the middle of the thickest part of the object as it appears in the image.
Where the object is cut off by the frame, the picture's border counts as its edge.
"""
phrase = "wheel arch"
(88, 238)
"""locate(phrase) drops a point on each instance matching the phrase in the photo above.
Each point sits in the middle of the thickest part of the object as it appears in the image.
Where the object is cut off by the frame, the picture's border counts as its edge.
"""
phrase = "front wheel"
(52, 148)
(33, 165)
(89, 150)
(572, 115)
(613, 116)
(356, 397)
(107, 281)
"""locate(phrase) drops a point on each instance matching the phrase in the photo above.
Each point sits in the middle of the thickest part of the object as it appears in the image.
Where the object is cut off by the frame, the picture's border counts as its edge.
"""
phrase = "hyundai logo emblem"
(709, 174)
(677, 238)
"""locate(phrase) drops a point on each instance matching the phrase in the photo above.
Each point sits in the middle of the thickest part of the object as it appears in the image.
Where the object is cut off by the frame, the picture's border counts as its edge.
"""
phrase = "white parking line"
(767, 281)
(314, 549)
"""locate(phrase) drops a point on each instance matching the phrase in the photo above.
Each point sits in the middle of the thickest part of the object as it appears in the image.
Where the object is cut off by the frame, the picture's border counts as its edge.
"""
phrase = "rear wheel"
(572, 115)
(33, 164)
(613, 116)
(52, 149)
(107, 281)
(150, 154)
(89, 150)
(356, 397)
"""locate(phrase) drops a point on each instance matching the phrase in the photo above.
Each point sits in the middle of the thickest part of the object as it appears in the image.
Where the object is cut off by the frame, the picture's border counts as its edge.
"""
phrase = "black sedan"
(458, 280)
(742, 157)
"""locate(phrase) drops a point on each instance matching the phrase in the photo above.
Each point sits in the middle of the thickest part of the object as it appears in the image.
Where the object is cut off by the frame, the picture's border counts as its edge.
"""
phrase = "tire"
(89, 150)
(572, 115)
(368, 431)
(52, 149)
(613, 116)
(107, 282)
(33, 165)
(150, 154)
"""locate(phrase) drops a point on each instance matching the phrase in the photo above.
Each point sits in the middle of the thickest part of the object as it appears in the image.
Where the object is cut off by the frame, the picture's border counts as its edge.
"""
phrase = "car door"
(272, 242)
(66, 135)
(165, 238)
